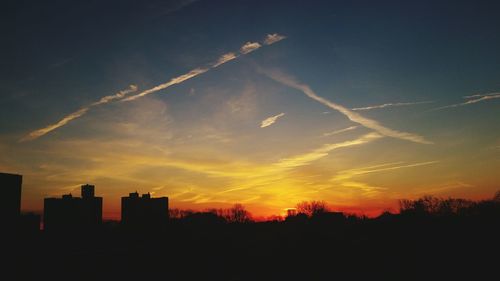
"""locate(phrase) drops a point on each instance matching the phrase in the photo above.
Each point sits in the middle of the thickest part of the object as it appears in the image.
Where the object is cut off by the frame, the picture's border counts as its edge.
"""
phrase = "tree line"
(424, 206)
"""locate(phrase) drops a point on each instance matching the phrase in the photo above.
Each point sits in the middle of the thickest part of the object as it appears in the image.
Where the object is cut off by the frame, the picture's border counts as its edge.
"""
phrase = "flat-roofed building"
(144, 210)
(73, 213)
(10, 199)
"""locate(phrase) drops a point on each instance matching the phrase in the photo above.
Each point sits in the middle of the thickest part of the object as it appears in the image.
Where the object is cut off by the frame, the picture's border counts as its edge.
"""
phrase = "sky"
(263, 103)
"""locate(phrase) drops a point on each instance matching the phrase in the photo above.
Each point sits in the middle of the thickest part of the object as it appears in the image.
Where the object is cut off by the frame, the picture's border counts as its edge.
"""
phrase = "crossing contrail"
(77, 114)
(245, 49)
(351, 115)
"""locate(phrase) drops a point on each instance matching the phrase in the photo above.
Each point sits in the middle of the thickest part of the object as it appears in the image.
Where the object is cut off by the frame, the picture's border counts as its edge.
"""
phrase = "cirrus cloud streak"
(390, 105)
(472, 99)
(79, 113)
(353, 116)
(271, 120)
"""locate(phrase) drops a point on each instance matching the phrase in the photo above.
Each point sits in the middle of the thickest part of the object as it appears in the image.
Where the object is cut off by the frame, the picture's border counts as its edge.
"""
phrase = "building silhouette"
(29, 223)
(144, 211)
(10, 199)
(73, 213)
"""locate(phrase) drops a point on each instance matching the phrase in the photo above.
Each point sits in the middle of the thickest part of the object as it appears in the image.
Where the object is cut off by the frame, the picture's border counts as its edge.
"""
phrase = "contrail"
(472, 99)
(345, 178)
(381, 168)
(79, 113)
(40, 132)
(339, 131)
(119, 95)
(353, 116)
(481, 95)
(193, 73)
(390, 105)
(245, 49)
(270, 120)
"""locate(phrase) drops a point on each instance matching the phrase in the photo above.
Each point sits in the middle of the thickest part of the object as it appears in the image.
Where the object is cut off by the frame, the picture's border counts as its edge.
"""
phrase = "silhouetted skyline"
(449, 237)
(144, 213)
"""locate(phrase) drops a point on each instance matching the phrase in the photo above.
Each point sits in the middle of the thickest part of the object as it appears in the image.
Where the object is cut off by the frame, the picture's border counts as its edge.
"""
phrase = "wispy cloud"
(245, 49)
(270, 120)
(119, 95)
(344, 175)
(250, 47)
(390, 105)
(442, 187)
(179, 79)
(305, 159)
(353, 116)
(40, 132)
(345, 178)
(481, 95)
(80, 112)
(273, 38)
(472, 99)
(339, 131)
(225, 58)
(276, 172)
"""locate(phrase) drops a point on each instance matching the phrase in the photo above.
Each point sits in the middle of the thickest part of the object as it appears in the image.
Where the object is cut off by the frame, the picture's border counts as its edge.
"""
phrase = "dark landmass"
(430, 239)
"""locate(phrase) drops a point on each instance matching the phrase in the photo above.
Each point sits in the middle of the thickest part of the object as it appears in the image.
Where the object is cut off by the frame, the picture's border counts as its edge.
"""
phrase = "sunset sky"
(264, 103)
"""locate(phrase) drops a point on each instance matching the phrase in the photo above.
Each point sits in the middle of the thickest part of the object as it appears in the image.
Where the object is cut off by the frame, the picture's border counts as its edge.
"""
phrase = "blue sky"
(416, 66)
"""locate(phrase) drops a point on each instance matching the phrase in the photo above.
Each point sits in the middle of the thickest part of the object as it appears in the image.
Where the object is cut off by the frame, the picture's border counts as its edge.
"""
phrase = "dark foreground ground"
(387, 248)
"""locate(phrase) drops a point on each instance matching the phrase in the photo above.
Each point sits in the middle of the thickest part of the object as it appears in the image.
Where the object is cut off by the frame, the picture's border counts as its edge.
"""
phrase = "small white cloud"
(273, 38)
(249, 47)
(269, 121)
(225, 58)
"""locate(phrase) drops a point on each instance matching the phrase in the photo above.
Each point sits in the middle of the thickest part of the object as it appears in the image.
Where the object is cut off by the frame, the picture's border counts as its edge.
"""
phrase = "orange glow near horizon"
(112, 208)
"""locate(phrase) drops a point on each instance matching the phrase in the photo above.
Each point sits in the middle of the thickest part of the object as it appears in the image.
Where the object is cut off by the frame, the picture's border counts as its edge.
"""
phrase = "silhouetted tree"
(203, 218)
(425, 205)
(312, 208)
(452, 206)
(178, 214)
(429, 205)
(238, 214)
(218, 212)
(274, 218)
(496, 197)
(291, 212)
(174, 213)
